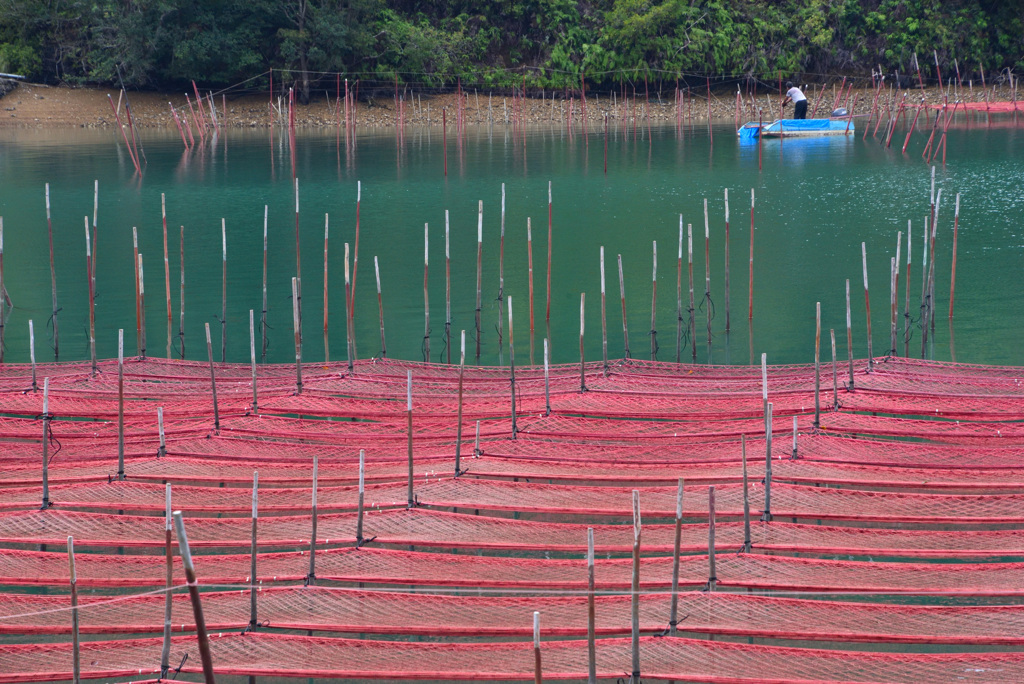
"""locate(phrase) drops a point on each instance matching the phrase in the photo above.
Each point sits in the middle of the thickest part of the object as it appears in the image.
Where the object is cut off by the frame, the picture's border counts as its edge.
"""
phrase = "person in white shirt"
(796, 96)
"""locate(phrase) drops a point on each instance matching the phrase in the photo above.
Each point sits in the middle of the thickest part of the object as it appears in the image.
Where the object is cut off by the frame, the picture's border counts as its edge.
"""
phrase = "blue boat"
(797, 128)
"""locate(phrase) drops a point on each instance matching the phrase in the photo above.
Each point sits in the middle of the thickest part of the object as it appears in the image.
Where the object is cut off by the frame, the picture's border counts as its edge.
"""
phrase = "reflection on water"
(816, 200)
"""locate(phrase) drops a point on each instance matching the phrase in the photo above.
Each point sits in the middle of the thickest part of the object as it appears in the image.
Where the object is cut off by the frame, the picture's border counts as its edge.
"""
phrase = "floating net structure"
(879, 537)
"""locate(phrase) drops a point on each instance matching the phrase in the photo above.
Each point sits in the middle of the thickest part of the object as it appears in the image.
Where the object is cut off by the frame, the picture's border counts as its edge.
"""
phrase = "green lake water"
(816, 202)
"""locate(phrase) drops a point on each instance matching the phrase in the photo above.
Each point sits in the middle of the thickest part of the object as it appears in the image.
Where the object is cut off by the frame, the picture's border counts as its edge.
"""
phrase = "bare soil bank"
(34, 105)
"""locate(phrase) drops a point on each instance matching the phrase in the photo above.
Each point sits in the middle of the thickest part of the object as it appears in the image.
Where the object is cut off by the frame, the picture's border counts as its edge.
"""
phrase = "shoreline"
(31, 105)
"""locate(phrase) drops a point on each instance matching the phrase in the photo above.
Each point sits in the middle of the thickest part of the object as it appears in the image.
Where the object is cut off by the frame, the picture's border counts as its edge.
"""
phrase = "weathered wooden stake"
(867, 301)
(181, 298)
(707, 273)
(893, 270)
(142, 307)
(3, 292)
(835, 372)
(348, 320)
(622, 296)
(138, 303)
(673, 619)
(447, 291)
(817, 372)
(691, 328)
(120, 402)
(311, 577)
(193, 592)
(952, 277)
(408, 409)
(501, 274)
(73, 577)
(161, 450)
(213, 380)
(547, 315)
(906, 287)
(529, 273)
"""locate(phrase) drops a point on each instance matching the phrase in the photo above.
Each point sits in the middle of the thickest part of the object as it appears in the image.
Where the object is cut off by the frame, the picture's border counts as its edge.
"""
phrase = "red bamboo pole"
(117, 117)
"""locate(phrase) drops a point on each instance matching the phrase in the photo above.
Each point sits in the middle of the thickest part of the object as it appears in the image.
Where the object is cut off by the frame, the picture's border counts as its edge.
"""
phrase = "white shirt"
(795, 95)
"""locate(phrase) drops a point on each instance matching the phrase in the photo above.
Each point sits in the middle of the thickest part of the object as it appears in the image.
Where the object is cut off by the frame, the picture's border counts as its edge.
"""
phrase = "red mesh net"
(664, 658)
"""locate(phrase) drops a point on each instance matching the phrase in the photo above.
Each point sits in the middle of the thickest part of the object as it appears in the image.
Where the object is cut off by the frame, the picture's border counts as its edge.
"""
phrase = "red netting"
(377, 612)
(665, 658)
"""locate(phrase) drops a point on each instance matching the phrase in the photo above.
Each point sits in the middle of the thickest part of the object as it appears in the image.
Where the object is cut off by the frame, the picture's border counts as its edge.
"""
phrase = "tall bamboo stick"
(604, 320)
(181, 295)
(635, 589)
(479, 272)
(3, 291)
(622, 296)
(691, 328)
(167, 272)
(529, 275)
(120, 402)
(89, 263)
(867, 301)
(298, 335)
(707, 273)
(447, 291)
(501, 274)
(53, 278)
(426, 294)
(327, 348)
(849, 334)
(165, 651)
(654, 301)
(263, 314)
(727, 260)
(679, 294)
(142, 306)
(547, 315)
(193, 591)
(380, 307)
(224, 292)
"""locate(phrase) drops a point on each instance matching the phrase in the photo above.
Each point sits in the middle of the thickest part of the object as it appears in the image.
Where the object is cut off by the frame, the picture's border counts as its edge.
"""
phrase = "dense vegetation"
(496, 43)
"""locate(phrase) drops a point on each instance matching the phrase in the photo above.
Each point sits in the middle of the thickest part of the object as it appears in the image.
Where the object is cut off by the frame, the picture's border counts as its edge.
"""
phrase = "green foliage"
(499, 43)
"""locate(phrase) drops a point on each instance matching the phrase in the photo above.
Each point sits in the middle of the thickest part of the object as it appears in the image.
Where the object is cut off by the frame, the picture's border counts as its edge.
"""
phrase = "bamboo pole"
(253, 622)
(622, 296)
(348, 306)
(537, 678)
(138, 303)
(380, 307)
(3, 291)
(817, 374)
(76, 661)
(362, 496)
(296, 322)
(32, 353)
(849, 334)
(547, 315)
(767, 515)
(351, 306)
(727, 260)
(867, 301)
(408, 409)
(501, 275)
(529, 274)
(583, 383)
(213, 380)
(120, 401)
(673, 620)
(53, 278)
(707, 273)
(181, 298)
(197, 606)
(591, 645)
(835, 372)
(746, 499)
(447, 291)
(223, 292)
(750, 298)
(311, 577)
(604, 320)
(712, 574)
(691, 326)
(635, 589)
(512, 366)
(426, 294)
(297, 290)
(458, 421)
(165, 650)
(252, 361)
(348, 346)
(167, 270)
(162, 448)
(142, 306)
(46, 443)
(479, 272)
(89, 264)
(263, 315)
(654, 301)
(679, 295)
(952, 277)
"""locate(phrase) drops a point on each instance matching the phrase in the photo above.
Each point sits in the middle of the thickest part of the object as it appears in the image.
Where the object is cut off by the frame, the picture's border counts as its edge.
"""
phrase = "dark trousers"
(800, 110)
